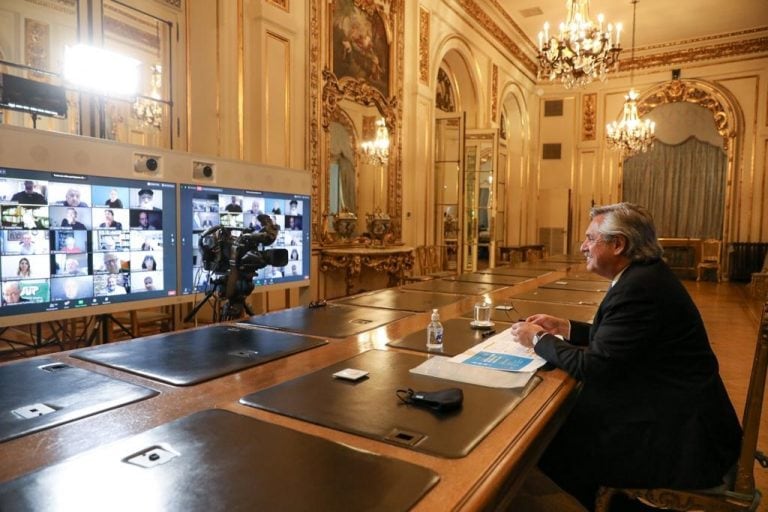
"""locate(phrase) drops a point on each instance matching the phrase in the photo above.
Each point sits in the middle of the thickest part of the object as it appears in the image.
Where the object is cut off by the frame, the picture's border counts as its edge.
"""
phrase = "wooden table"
(486, 478)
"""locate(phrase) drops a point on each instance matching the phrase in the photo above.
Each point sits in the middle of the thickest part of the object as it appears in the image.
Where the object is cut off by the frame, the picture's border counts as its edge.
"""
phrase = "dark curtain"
(683, 185)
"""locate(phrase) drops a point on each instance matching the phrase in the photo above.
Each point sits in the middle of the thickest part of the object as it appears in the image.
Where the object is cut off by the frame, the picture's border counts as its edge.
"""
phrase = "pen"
(488, 333)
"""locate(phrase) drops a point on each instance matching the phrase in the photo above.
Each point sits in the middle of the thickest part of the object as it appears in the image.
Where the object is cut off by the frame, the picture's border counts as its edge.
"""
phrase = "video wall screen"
(71, 241)
(238, 211)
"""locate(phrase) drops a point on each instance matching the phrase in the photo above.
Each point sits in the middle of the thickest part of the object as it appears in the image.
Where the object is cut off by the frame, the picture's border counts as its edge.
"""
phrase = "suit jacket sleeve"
(625, 326)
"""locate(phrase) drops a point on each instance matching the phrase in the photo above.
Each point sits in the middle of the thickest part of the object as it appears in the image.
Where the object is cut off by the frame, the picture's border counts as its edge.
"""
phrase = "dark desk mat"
(578, 285)
(458, 287)
(563, 296)
(458, 336)
(393, 298)
(477, 277)
(331, 320)
(541, 265)
(522, 309)
(68, 393)
(370, 408)
(226, 462)
(516, 271)
(188, 357)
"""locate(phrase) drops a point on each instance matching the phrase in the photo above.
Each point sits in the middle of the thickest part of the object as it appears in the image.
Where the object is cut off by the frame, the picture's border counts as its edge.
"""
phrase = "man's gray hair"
(635, 224)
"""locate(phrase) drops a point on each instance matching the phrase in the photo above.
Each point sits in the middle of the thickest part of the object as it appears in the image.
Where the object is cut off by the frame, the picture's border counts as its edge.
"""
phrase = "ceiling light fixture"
(631, 135)
(581, 51)
(149, 110)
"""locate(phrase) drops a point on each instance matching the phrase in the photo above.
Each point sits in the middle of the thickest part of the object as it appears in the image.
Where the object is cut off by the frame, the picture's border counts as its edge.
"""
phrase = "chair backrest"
(710, 250)
(745, 480)
(434, 258)
(420, 267)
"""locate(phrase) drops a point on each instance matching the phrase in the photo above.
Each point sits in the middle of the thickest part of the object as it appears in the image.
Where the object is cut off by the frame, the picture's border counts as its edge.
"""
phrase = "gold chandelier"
(631, 135)
(149, 111)
(376, 151)
(581, 51)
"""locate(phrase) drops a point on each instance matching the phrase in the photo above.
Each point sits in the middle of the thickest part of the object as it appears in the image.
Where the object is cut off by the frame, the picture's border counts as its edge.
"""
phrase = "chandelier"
(376, 151)
(149, 111)
(631, 135)
(581, 51)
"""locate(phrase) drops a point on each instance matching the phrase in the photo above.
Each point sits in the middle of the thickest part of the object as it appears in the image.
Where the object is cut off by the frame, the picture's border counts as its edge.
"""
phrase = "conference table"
(484, 474)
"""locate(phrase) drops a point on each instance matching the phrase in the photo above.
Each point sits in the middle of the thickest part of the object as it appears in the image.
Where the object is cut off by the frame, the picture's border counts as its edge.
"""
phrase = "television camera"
(232, 256)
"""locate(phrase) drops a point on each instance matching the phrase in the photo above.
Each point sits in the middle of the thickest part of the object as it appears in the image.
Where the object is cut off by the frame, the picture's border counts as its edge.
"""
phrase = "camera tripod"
(224, 308)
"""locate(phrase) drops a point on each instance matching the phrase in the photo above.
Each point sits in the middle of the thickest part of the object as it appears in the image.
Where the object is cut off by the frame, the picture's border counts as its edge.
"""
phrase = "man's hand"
(551, 324)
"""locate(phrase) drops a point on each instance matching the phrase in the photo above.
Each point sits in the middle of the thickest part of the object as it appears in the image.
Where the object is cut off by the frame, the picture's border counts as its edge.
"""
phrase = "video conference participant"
(146, 199)
(113, 201)
(653, 410)
(12, 293)
(71, 221)
(146, 220)
(109, 220)
(71, 288)
(72, 198)
(29, 195)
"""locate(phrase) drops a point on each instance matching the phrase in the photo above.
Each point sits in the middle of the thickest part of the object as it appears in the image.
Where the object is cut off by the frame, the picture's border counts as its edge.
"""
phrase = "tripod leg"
(199, 305)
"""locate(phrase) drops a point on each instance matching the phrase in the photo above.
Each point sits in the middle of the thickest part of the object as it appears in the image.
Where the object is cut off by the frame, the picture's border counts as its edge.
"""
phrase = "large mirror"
(356, 70)
(357, 184)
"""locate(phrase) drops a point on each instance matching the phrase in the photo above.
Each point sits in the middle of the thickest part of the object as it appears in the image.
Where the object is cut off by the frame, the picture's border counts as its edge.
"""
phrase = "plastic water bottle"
(435, 332)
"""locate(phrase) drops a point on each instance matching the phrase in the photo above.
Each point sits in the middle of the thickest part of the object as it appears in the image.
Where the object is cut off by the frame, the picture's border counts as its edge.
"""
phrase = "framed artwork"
(361, 43)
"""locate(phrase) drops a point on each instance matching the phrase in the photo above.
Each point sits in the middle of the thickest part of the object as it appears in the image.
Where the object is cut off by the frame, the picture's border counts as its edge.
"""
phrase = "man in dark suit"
(653, 410)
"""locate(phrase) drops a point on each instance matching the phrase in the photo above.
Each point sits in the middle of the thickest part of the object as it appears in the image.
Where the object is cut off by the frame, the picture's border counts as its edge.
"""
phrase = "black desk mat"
(458, 336)
(458, 287)
(41, 393)
(578, 285)
(562, 296)
(477, 277)
(370, 408)
(522, 309)
(331, 320)
(584, 275)
(516, 271)
(188, 357)
(393, 298)
(225, 461)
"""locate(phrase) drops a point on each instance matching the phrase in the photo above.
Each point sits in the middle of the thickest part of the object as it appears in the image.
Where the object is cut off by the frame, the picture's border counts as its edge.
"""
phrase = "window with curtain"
(683, 185)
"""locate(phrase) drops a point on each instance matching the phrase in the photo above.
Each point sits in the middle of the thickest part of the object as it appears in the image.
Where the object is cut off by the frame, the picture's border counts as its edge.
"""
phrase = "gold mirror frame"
(330, 90)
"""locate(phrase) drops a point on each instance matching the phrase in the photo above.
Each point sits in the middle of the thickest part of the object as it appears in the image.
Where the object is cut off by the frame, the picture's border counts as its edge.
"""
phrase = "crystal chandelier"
(581, 51)
(149, 111)
(376, 151)
(631, 135)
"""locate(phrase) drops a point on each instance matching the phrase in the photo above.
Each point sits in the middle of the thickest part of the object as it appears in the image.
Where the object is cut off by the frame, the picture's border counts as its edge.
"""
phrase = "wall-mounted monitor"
(72, 241)
(238, 211)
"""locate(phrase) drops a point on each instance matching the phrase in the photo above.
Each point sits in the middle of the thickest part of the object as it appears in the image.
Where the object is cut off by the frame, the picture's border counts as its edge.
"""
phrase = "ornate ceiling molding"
(696, 92)
(711, 52)
(486, 21)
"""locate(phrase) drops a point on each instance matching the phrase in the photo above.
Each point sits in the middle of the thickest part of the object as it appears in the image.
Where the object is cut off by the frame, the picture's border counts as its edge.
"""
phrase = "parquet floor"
(732, 317)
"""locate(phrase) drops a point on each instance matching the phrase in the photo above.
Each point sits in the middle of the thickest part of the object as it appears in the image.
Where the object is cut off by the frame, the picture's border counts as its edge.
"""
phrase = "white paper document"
(444, 368)
(499, 362)
(501, 352)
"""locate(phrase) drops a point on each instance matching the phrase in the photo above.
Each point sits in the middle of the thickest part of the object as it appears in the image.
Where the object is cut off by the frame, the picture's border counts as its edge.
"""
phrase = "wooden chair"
(435, 256)
(420, 271)
(710, 258)
(758, 284)
(739, 495)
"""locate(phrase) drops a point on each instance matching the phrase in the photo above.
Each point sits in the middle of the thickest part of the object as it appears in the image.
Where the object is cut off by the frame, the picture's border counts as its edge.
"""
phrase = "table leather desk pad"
(393, 298)
(458, 287)
(579, 285)
(584, 275)
(67, 393)
(476, 277)
(369, 407)
(458, 336)
(563, 296)
(541, 265)
(329, 321)
(225, 461)
(188, 357)
(516, 271)
(522, 309)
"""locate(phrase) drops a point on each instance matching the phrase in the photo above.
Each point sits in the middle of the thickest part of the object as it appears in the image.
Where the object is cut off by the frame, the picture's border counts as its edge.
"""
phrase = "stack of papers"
(500, 362)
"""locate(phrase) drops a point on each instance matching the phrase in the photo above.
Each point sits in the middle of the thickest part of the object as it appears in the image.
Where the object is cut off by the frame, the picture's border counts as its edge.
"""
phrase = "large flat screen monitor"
(236, 212)
(72, 241)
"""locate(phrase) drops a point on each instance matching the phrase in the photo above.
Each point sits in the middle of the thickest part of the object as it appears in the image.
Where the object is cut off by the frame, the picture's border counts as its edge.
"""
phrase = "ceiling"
(658, 21)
